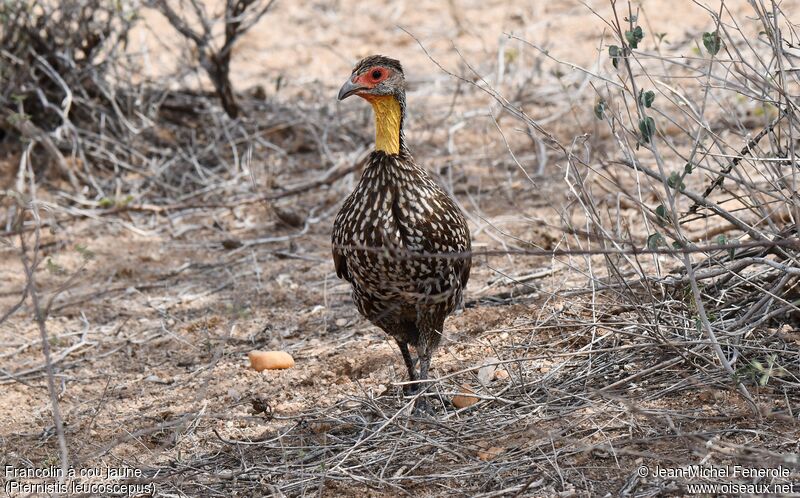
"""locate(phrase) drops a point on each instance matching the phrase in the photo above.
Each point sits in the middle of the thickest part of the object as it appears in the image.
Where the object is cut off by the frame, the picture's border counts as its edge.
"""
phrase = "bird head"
(375, 76)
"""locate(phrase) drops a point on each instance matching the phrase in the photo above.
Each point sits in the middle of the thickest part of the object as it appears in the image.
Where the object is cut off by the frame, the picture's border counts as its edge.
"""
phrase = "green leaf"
(661, 212)
(712, 42)
(511, 55)
(648, 128)
(634, 37)
(600, 109)
(616, 54)
(85, 252)
(675, 180)
(688, 168)
(55, 268)
(723, 241)
(105, 202)
(647, 98)
(18, 117)
(655, 241)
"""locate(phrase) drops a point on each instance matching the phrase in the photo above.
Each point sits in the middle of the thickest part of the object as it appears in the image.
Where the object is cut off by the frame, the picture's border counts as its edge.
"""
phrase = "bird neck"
(389, 112)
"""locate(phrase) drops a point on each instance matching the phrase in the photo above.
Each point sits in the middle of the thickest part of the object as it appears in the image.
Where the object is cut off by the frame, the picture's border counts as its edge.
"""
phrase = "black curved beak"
(348, 89)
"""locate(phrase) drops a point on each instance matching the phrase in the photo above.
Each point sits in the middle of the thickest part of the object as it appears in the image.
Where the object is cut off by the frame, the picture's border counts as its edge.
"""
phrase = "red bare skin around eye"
(368, 79)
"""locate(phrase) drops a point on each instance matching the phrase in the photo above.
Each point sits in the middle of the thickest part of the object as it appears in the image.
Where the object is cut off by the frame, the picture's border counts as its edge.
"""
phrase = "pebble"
(463, 400)
(270, 360)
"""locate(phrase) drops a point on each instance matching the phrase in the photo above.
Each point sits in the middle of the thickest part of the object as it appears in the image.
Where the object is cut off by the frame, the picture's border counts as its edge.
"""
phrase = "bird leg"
(410, 365)
(424, 364)
(423, 406)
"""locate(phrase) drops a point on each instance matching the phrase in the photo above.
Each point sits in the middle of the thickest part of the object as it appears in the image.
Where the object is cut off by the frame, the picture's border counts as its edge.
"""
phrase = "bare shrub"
(239, 17)
(54, 67)
(716, 174)
(69, 84)
(712, 146)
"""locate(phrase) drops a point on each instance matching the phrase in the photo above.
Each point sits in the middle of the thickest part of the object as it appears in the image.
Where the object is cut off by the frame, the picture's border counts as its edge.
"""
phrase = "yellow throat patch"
(387, 123)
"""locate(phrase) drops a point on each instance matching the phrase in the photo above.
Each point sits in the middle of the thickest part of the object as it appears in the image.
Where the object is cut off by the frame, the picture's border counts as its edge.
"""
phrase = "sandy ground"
(156, 324)
(310, 44)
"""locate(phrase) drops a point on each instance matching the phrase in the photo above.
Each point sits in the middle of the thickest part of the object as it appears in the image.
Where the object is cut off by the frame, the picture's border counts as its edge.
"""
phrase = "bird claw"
(423, 407)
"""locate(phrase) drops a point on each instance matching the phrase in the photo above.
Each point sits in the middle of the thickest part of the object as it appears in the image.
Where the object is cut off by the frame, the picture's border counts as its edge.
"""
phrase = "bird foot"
(423, 408)
(422, 405)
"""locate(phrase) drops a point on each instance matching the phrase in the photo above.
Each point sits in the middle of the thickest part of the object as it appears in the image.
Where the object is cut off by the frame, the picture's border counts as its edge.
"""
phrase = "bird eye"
(376, 74)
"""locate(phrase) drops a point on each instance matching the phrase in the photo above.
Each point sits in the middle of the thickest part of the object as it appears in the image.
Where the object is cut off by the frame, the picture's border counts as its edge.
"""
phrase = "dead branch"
(33, 133)
(239, 17)
(30, 264)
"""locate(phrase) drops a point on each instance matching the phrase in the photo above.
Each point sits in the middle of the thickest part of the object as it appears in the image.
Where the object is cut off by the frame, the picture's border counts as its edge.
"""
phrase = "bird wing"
(339, 239)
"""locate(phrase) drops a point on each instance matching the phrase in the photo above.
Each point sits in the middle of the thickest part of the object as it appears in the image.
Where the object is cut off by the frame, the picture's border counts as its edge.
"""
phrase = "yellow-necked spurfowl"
(399, 239)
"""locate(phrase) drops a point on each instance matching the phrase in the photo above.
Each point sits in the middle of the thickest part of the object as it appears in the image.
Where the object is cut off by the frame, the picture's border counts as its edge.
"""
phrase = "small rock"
(156, 379)
(501, 374)
(270, 360)
(490, 453)
(261, 405)
(284, 280)
(486, 372)
(231, 243)
(464, 399)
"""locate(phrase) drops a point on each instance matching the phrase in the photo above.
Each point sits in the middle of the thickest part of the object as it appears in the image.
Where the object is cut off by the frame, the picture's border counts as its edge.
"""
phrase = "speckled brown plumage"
(403, 244)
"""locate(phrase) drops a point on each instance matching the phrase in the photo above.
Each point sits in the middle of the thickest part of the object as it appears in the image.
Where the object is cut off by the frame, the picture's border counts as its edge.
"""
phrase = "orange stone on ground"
(270, 360)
